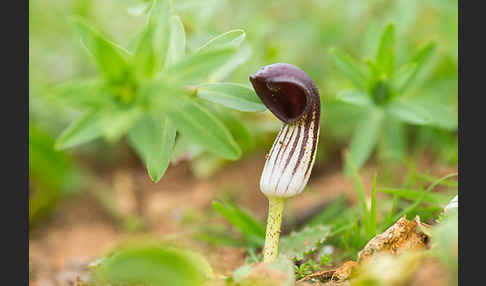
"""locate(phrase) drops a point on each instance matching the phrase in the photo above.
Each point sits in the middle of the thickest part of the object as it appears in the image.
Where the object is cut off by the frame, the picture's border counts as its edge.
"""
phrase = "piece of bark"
(403, 235)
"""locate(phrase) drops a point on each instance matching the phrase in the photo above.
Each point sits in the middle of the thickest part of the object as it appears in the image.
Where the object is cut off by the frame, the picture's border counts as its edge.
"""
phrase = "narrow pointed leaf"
(402, 77)
(84, 129)
(365, 137)
(152, 48)
(232, 95)
(409, 112)
(349, 67)
(177, 43)
(153, 139)
(116, 122)
(199, 66)
(111, 59)
(230, 39)
(192, 120)
(227, 68)
(385, 56)
(84, 93)
(253, 230)
(421, 58)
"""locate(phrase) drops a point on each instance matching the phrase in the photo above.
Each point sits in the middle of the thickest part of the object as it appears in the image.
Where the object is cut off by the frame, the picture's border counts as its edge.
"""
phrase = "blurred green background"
(297, 32)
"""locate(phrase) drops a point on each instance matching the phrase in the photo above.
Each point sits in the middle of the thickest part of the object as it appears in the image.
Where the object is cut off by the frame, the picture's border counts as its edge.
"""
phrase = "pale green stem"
(274, 220)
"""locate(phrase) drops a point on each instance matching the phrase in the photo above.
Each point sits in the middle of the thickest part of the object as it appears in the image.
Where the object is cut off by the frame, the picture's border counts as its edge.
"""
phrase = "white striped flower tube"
(290, 94)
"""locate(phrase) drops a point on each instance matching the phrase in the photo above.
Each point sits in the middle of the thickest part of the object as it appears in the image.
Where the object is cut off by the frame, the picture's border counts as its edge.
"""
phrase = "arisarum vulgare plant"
(292, 96)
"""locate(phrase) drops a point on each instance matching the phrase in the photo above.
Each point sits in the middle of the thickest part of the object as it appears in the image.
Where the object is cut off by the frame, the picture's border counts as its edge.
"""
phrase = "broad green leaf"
(355, 97)
(192, 120)
(152, 48)
(230, 39)
(153, 139)
(199, 66)
(232, 95)
(85, 93)
(409, 112)
(350, 68)
(252, 229)
(385, 55)
(365, 137)
(84, 129)
(394, 140)
(152, 265)
(298, 244)
(225, 70)
(177, 43)
(116, 122)
(112, 60)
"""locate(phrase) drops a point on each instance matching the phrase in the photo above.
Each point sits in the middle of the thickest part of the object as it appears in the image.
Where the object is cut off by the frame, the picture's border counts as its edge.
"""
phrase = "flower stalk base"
(274, 220)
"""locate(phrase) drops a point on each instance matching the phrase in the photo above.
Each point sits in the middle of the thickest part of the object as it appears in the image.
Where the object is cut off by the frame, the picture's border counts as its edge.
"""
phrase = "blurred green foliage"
(298, 32)
(411, 82)
(151, 264)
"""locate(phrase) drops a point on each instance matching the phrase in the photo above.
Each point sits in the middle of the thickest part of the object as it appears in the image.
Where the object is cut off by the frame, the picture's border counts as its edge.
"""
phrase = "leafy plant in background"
(154, 90)
(52, 174)
(385, 92)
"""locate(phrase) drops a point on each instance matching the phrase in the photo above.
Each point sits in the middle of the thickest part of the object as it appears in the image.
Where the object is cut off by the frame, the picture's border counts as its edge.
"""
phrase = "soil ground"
(79, 230)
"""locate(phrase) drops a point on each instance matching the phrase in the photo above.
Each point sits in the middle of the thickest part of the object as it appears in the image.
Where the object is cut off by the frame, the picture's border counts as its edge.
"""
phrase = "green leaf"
(116, 122)
(439, 114)
(356, 98)
(239, 58)
(350, 68)
(230, 39)
(111, 59)
(438, 199)
(192, 120)
(177, 43)
(84, 129)
(385, 56)
(232, 95)
(394, 140)
(360, 190)
(420, 199)
(402, 77)
(151, 52)
(237, 128)
(153, 139)
(365, 137)
(298, 244)
(252, 229)
(372, 219)
(199, 66)
(85, 93)
(409, 112)
(153, 265)
(421, 58)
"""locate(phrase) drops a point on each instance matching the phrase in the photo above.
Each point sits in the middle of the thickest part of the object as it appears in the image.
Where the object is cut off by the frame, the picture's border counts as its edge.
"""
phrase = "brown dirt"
(80, 231)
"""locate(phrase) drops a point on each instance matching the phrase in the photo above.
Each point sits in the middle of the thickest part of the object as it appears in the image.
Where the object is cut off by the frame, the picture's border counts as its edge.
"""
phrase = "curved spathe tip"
(287, 91)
